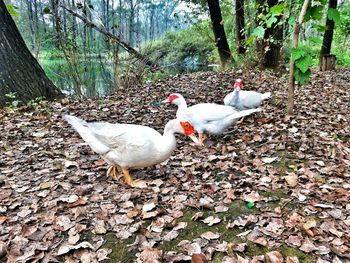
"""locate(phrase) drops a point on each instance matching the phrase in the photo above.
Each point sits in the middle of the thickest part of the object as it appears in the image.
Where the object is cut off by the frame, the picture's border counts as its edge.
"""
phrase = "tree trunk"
(31, 22)
(219, 32)
(131, 23)
(240, 26)
(54, 7)
(271, 52)
(19, 71)
(291, 86)
(328, 36)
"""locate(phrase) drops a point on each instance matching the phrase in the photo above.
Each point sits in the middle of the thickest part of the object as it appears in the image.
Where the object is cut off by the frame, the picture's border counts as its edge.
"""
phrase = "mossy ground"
(122, 253)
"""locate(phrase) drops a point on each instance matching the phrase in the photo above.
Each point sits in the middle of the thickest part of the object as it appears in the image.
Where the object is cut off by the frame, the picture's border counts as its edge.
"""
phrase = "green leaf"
(319, 28)
(250, 40)
(270, 21)
(301, 77)
(259, 32)
(278, 9)
(297, 53)
(12, 10)
(316, 12)
(46, 10)
(323, 2)
(291, 20)
(304, 63)
(333, 14)
(316, 40)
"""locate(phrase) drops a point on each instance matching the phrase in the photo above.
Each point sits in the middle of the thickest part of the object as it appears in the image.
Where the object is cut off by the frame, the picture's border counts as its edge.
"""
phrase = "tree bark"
(19, 71)
(240, 40)
(291, 86)
(219, 32)
(271, 52)
(328, 34)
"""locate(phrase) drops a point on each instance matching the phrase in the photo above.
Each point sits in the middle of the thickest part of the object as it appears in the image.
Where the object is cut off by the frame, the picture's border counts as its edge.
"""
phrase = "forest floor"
(270, 189)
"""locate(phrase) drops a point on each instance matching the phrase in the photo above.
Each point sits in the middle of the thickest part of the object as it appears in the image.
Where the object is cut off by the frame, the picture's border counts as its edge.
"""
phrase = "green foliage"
(12, 10)
(302, 77)
(303, 61)
(259, 32)
(39, 104)
(333, 14)
(269, 17)
(14, 103)
(179, 48)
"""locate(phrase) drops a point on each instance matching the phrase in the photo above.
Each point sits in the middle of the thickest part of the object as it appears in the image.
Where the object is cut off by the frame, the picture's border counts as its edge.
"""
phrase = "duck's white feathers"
(125, 145)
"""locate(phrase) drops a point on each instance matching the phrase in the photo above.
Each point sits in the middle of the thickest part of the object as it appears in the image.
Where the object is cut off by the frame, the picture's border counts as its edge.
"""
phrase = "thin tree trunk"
(131, 23)
(219, 32)
(328, 34)
(240, 26)
(42, 18)
(291, 86)
(19, 71)
(31, 22)
(54, 7)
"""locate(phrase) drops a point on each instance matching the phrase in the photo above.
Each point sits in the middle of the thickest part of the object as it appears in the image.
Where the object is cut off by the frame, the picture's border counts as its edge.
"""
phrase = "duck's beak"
(166, 101)
(194, 138)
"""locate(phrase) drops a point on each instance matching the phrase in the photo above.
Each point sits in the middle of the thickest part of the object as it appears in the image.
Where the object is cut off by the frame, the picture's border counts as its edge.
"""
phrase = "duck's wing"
(209, 111)
(122, 136)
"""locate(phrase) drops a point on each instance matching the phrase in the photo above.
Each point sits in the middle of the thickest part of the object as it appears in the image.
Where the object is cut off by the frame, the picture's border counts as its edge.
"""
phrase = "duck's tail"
(85, 132)
(266, 95)
(243, 113)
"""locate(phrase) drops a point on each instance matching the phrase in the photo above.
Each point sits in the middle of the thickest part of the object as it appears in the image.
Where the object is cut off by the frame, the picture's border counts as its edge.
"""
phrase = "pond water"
(95, 78)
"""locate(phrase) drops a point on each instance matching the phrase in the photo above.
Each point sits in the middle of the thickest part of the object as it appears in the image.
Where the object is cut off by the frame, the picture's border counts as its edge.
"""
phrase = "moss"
(194, 229)
(120, 251)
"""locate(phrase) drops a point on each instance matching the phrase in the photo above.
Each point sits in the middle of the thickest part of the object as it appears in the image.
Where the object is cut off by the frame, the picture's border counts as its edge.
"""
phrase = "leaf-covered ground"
(270, 189)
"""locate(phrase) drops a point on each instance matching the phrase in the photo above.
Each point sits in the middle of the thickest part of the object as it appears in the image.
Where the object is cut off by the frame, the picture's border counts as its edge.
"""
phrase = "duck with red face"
(130, 146)
(245, 99)
(206, 117)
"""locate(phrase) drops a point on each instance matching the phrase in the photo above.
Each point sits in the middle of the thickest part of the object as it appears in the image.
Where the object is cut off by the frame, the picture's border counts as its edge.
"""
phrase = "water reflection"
(96, 79)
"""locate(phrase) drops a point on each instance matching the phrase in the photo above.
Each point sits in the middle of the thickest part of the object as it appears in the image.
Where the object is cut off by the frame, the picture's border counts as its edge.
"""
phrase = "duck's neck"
(181, 107)
(168, 142)
(235, 98)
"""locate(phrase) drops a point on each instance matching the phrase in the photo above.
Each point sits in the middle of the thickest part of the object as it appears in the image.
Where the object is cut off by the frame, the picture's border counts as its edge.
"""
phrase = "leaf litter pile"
(270, 189)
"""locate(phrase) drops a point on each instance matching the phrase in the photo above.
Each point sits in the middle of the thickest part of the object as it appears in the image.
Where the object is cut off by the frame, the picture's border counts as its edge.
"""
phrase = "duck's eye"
(186, 125)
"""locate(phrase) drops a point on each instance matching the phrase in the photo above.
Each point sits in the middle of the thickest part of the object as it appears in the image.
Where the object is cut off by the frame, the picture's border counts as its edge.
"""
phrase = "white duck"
(130, 146)
(245, 99)
(207, 117)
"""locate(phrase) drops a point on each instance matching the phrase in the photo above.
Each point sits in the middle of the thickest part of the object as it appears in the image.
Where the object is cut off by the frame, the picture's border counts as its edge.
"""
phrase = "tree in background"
(328, 36)
(240, 35)
(219, 32)
(20, 73)
(269, 13)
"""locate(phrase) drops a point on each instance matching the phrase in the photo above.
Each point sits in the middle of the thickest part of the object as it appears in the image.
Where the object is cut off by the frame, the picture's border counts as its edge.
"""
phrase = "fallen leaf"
(198, 258)
(65, 248)
(273, 257)
(292, 180)
(210, 235)
(211, 220)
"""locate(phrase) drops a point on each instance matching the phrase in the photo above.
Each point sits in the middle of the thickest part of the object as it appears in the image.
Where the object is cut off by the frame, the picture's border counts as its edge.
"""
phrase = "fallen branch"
(121, 43)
